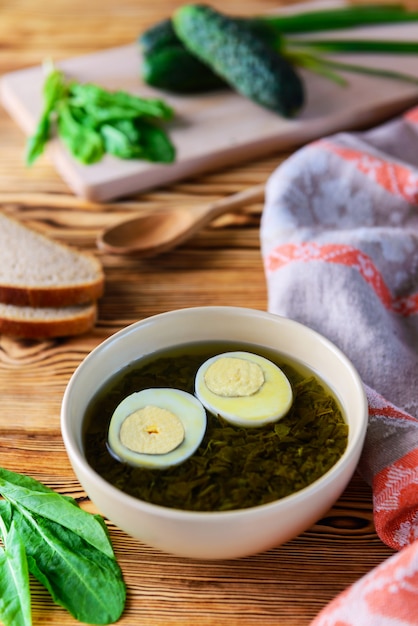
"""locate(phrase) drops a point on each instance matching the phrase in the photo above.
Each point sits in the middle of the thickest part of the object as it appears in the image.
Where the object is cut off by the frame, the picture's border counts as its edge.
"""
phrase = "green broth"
(234, 467)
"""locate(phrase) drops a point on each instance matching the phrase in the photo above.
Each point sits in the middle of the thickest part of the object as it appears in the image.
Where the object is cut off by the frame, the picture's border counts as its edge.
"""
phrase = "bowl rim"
(80, 464)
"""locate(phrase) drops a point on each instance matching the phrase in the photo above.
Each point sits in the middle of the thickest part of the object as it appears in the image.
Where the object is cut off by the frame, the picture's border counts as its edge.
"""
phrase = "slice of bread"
(46, 322)
(39, 272)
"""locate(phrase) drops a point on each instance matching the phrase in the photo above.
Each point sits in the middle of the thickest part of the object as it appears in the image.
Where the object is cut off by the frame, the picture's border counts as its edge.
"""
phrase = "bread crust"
(50, 328)
(47, 289)
(52, 296)
(37, 292)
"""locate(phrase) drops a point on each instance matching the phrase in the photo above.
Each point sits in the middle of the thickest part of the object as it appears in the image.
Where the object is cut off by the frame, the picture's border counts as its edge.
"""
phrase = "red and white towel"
(339, 238)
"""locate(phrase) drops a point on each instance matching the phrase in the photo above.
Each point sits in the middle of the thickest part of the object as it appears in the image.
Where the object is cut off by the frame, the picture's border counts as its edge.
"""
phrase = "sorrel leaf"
(34, 496)
(105, 106)
(15, 602)
(79, 577)
(53, 91)
(90, 119)
(66, 548)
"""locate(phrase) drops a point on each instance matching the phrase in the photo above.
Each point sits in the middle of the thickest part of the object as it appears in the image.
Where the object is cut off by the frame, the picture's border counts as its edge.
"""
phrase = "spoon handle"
(158, 231)
(234, 201)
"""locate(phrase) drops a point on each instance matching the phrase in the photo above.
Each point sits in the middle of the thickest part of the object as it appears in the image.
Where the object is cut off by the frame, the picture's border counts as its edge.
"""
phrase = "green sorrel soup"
(234, 467)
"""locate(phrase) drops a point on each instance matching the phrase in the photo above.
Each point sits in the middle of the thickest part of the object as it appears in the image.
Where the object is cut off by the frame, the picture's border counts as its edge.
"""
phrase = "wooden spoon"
(155, 232)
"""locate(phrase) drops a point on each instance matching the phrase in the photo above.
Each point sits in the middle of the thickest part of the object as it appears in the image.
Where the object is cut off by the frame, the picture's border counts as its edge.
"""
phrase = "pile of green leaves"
(67, 549)
(92, 121)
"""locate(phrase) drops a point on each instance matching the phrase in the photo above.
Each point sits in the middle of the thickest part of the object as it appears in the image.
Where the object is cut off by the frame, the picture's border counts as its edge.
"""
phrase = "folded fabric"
(339, 238)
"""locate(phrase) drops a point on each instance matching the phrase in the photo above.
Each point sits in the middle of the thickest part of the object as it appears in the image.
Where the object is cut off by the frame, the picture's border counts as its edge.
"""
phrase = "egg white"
(269, 403)
(182, 404)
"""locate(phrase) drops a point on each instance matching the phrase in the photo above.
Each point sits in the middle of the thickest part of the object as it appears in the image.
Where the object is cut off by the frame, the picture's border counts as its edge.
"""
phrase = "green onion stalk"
(311, 53)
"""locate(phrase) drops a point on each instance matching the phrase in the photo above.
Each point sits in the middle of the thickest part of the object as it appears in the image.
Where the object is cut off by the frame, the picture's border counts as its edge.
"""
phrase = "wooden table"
(286, 586)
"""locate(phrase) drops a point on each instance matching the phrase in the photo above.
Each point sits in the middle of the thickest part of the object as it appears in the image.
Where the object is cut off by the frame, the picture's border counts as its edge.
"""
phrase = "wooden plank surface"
(222, 265)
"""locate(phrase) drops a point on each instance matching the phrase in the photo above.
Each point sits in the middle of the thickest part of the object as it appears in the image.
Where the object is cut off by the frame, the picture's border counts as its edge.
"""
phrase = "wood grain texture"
(221, 266)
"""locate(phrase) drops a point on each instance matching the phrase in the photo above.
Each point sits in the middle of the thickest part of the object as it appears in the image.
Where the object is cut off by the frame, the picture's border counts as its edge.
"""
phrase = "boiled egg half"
(244, 388)
(156, 428)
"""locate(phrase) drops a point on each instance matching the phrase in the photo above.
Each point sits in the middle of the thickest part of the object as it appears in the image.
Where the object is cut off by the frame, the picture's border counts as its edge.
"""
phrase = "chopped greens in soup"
(234, 466)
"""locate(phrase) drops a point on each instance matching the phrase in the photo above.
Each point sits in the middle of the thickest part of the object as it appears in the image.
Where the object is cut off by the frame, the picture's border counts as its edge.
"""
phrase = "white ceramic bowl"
(215, 535)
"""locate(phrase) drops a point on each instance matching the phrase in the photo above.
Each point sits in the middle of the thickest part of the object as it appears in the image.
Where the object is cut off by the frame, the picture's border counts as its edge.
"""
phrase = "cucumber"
(236, 52)
(168, 65)
(157, 37)
(174, 69)
(162, 34)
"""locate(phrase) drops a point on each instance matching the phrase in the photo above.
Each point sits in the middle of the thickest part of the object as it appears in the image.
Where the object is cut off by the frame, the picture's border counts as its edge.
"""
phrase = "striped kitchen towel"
(339, 238)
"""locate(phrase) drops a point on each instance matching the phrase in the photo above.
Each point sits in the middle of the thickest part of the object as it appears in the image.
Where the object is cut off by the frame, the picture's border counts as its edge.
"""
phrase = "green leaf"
(122, 141)
(53, 90)
(84, 143)
(39, 499)
(6, 517)
(79, 577)
(35, 144)
(106, 105)
(15, 601)
(156, 144)
(81, 110)
(129, 129)
(138, 140)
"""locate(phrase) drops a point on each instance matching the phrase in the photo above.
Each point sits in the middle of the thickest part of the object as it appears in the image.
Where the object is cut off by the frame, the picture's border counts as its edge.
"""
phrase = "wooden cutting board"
(215, 130)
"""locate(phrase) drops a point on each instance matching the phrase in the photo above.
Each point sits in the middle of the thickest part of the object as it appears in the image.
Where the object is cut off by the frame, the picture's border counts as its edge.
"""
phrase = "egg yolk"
(156, 428)
(151, 430)
(233, 376)
(244, 388)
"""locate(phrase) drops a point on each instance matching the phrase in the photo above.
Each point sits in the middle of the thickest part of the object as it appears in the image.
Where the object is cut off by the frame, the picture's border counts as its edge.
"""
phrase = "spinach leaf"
(36, 144)
(54, 89)
(128, 128)
(25, 491)
(156, 144)
(84, 143)
(137, 140)
(117, 140)
(91, 121)
(79, 577)
(15, 601)
(105, 105)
